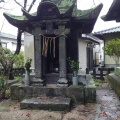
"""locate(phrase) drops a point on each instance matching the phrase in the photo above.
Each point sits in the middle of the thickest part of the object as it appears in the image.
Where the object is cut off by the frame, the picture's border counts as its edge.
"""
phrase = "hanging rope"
(53, 46)
(46, 41)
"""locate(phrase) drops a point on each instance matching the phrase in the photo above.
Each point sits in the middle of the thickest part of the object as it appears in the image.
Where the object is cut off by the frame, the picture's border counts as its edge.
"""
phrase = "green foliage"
(19, 60)
(98, 82)
(74, 65)
(6, 59)
(7, 93)
(1, 83)
(112, 49)
(18, 78)
(28, 64)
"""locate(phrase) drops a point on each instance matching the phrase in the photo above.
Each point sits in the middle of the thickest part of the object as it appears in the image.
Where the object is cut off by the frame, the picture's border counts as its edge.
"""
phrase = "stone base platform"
(114, 80)
(45, 103)
(79, 94)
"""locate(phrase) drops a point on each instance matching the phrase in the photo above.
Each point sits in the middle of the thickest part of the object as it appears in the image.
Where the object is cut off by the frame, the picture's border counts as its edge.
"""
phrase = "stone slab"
(117, 71)
(11, 82)
(76, 93)
(45, 103)
(114, 82)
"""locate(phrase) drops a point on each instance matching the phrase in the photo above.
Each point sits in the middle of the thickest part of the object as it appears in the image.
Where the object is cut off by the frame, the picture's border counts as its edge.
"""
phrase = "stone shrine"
(56, 26)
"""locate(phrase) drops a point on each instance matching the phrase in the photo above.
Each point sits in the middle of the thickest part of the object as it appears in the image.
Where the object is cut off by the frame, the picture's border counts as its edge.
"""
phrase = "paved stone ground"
(106, 108)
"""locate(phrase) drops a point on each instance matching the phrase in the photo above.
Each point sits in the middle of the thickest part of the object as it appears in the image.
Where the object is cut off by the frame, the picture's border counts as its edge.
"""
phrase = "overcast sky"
(12, 8)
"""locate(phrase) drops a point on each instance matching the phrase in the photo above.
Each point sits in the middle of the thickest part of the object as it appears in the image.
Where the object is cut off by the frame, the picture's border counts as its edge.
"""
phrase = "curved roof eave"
(16, 20)
(113, 12)
(27, 14)
(89, 14)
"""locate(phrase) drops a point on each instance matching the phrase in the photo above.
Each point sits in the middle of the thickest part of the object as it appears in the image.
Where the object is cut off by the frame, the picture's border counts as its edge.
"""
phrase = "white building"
(89, 50)
(10, 41)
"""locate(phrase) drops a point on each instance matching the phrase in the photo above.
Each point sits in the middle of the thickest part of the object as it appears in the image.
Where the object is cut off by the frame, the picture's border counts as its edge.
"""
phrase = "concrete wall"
(11, 44)
(98, 53)
(29, 47)
(82, 44)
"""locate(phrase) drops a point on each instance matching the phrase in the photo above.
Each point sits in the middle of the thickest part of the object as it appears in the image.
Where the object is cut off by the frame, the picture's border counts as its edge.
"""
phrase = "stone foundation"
(55, 104)
(114, 80)
(78, 94)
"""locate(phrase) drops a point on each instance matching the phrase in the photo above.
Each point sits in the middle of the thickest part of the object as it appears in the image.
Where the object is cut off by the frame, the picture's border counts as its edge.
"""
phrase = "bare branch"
(21, 31)
(2, 1)
(18, 47)
(94, 2)
(2, 24)
(25, 4)
(31, 5)
(18, 3)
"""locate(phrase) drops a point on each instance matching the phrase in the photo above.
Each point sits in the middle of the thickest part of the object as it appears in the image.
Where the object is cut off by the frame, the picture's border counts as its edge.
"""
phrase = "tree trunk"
(117, 62)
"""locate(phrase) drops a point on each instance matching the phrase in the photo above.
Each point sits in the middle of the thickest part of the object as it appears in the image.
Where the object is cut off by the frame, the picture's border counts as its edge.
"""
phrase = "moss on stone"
(90, 86)
(16, 17)
(76, 86)
(17, 85)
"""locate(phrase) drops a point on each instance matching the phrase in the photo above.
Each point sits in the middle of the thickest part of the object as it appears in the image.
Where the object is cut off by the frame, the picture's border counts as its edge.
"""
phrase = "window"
(4, 45)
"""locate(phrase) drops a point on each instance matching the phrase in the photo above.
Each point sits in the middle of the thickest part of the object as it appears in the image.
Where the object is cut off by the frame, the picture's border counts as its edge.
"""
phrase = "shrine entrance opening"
(50, 53)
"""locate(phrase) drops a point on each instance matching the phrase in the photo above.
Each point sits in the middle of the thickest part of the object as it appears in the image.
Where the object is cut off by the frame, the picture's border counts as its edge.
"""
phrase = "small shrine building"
(56, 26)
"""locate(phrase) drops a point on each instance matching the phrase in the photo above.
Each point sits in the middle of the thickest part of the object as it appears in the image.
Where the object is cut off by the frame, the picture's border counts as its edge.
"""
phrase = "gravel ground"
(106, 108)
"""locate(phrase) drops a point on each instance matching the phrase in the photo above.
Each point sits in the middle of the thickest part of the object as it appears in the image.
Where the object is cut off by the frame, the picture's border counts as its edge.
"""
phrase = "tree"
(6, 59)
(19, 34)
(19, 60)
(112, 49)
(1, 1)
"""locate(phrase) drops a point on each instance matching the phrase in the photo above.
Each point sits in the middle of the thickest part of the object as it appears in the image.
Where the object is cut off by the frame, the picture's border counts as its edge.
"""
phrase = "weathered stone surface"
(51, 78)
(62, 85)
(90, 94)
(76, 93)
(84, 79)
(114, 83)
(63, 81)
(38, 82)
(107, 107)
(44, 103)
(117, 71)
(81, 72)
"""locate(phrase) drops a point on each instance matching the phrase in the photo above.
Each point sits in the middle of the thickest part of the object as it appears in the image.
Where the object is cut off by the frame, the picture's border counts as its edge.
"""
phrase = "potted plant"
(74, 67)
(27, 71)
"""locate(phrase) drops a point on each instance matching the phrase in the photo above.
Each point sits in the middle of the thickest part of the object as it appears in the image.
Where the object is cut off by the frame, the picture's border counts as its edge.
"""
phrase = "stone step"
(45, 103)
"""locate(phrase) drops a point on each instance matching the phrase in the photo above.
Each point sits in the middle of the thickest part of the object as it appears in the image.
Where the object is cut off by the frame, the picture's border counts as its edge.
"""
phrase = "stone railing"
(114, 80)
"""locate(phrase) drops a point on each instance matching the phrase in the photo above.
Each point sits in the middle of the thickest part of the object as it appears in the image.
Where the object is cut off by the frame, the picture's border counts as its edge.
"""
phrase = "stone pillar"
(62, 59)
(38, 58)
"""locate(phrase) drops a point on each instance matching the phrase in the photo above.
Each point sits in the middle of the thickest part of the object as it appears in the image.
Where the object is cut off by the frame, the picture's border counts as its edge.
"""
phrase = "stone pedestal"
(62, 82)
(38, 82)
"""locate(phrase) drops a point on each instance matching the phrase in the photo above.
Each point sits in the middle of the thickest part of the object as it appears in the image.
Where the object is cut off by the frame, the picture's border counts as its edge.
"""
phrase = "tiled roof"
(92, 38)
(6, 35)
(111, 30)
